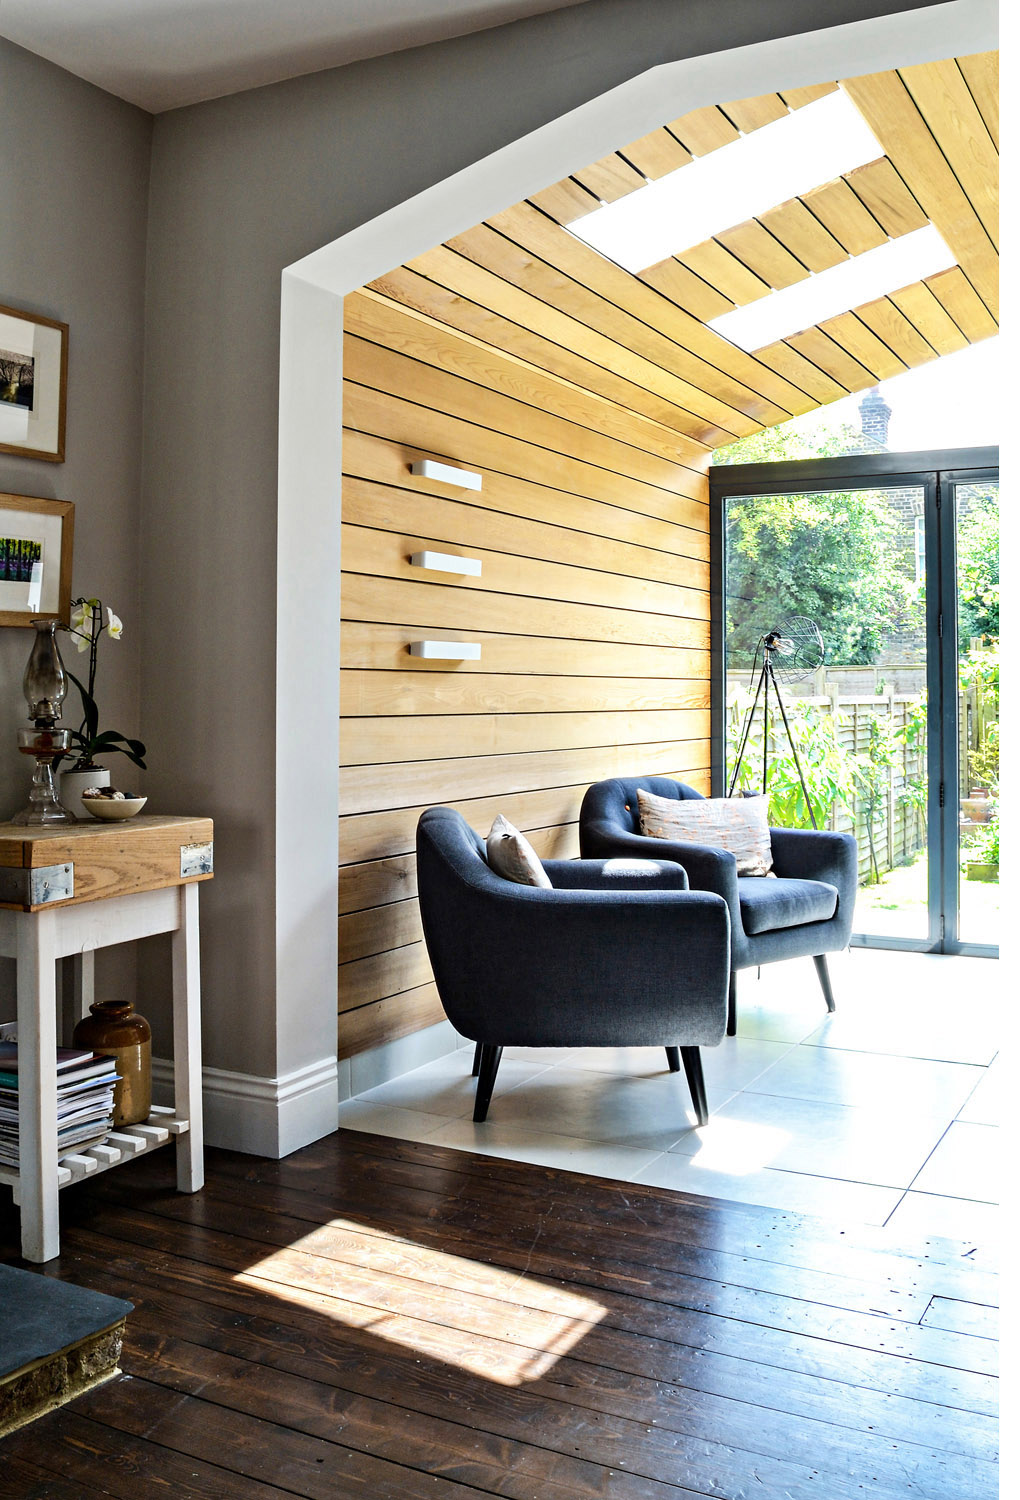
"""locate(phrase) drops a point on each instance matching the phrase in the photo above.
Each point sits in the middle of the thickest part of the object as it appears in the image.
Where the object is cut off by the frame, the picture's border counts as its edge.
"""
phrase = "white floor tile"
(984, 1107)
(645, 1111)
(445, 1087)
(543, 1148)
(383, 1119)
(965, 1164)
(797, 1192)
(804, 1135)
(892, 1085)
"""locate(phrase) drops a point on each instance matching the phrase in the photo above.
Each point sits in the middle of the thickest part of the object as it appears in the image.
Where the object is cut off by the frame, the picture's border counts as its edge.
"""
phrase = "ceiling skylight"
(804, 149)
(876, 273)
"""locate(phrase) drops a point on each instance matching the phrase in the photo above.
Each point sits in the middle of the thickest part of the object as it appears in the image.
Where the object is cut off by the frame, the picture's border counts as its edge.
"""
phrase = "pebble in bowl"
(109, 805)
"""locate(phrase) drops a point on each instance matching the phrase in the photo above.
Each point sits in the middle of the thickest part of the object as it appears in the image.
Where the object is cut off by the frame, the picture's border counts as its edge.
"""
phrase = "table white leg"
(188, 1042)
(37, 1085)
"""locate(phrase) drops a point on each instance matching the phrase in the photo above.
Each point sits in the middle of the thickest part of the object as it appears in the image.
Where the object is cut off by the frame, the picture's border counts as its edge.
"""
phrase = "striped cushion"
(739, 824)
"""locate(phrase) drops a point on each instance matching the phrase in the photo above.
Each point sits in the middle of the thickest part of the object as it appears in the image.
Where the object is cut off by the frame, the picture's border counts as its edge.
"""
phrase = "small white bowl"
(113, 809)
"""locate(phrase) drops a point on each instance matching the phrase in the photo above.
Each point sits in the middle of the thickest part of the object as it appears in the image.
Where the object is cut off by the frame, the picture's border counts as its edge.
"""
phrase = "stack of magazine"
(85, 1084)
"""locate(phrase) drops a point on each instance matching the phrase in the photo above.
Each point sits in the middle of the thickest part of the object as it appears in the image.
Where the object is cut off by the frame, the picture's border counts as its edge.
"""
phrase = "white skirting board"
(262, 1116)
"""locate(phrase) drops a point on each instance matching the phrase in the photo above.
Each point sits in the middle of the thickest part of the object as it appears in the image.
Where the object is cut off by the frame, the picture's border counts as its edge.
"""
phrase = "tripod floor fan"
(789, 652)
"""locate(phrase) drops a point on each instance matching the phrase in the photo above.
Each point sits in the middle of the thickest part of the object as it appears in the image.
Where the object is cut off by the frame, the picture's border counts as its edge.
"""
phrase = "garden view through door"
(879, 570)
(854, 562)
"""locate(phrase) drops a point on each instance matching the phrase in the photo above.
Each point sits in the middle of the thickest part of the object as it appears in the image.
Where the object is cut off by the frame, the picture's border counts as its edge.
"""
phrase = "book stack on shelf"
(85, 1084)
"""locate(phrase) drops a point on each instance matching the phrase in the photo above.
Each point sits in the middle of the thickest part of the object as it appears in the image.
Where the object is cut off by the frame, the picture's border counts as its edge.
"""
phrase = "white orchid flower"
(114, 627)
(81, 624)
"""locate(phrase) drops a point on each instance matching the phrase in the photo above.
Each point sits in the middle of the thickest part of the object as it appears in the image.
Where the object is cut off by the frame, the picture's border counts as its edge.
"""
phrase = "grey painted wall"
(74, 174)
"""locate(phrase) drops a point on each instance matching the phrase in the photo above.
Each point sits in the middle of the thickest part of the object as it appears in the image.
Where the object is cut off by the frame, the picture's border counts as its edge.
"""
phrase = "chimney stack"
(875, 413)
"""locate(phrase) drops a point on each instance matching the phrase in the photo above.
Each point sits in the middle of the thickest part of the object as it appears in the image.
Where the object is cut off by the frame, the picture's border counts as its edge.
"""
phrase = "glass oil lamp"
(45, 685)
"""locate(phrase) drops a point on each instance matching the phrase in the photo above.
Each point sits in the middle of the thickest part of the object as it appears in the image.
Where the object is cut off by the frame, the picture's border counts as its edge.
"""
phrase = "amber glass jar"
(117, 1031)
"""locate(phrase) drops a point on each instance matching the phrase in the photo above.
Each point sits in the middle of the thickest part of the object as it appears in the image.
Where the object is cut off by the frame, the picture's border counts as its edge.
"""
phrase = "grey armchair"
(806, 911)
(611, 958)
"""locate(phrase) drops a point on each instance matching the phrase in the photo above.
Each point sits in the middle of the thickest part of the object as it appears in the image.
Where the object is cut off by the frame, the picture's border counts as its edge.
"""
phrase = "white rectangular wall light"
(428, 468)
(445, 562)
(446, 650)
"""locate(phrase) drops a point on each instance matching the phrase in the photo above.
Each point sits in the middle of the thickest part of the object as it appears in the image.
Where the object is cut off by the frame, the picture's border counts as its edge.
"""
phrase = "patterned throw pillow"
(739, 824)
(511, 856)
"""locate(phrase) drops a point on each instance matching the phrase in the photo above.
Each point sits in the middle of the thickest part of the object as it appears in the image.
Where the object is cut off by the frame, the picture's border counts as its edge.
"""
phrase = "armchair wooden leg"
(673, 1058)
(696, 1082)
(731, 1010)
(487, 1070)
(476, 1064)
(822, 969)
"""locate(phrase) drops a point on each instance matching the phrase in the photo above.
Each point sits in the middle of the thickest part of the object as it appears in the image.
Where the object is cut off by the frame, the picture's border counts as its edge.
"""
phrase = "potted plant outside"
(83, 770)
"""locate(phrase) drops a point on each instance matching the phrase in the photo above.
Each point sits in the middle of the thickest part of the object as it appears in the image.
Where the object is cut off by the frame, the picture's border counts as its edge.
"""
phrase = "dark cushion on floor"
(766, 905)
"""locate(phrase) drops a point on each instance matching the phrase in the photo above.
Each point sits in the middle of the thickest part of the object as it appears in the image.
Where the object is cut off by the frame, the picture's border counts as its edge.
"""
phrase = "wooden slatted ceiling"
(939, 125)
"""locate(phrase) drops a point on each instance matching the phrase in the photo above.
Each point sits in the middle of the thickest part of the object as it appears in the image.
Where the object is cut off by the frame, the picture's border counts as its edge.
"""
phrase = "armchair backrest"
(615, 802)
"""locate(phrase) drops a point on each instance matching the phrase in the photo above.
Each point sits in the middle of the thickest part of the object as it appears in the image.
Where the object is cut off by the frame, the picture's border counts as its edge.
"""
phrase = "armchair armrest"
(615, 874)
(809, 854)
(707, 869)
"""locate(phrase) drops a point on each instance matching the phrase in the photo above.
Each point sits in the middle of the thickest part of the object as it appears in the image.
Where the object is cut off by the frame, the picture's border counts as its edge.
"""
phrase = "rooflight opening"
(876, 273)
(782, 160)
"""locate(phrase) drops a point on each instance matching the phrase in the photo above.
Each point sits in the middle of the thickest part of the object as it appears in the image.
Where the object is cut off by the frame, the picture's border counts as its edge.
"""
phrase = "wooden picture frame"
(33, 385)
(36, 546)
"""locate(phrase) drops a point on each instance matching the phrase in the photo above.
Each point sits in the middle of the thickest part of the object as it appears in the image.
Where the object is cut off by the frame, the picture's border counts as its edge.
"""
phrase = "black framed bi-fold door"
(896, 558)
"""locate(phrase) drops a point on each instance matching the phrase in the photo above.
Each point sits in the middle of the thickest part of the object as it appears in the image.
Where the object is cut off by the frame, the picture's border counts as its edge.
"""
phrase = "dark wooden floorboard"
(377, 1318)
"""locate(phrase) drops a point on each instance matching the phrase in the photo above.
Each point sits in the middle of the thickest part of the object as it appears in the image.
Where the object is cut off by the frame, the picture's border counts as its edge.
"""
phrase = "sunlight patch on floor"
(737, 1147)
(501, 1325)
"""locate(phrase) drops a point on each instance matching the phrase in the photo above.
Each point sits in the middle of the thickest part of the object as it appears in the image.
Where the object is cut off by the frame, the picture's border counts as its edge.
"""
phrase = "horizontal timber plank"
(962, 303)
(379, 741)
(845, 216)
(380, 975)
(940, 92)
(804, 236)
(782, 356)
(925, 312)
(565, 201)
(378, 460)
(886, 197)
(461, 526)
(458, 395)
(413, 333)
(374, 646)
(362, 887)
(381, 835)
(388, 1020)
(866, 347)
(510, 327)
(365, 694)
(886, 104)
(718, 367)
(471, 278)
(466, 444)
(432, 606)
(832, 358)
(363, 933)
(387, 554)
(981, 70)
(884, 318)
(675, 281)
(379, 788)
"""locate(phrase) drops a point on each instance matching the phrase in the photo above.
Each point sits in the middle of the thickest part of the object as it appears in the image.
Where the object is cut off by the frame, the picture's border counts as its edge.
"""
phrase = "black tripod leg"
(487, 1071)
(822, 969)
(731, 1009)
(673, 1058)
(696, 1082)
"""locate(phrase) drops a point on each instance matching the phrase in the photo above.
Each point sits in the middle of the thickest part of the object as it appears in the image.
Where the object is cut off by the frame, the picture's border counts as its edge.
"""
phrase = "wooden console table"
(64, 892)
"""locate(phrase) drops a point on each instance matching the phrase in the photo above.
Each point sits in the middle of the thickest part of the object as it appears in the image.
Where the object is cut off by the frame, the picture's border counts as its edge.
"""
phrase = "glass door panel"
(976, 802)
(853, 561)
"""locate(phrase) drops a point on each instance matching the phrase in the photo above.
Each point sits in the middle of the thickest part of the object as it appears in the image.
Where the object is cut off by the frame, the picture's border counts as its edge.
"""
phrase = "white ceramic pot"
(73, 783)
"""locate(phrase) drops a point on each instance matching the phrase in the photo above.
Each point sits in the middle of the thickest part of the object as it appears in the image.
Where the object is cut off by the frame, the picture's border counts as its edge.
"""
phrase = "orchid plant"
(86, 627)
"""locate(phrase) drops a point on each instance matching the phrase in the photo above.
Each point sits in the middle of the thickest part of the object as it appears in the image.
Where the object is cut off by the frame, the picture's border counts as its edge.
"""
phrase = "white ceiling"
(161, 54)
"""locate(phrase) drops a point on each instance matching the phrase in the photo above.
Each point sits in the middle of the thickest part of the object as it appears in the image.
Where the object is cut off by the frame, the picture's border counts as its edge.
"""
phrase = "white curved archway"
(310, 415)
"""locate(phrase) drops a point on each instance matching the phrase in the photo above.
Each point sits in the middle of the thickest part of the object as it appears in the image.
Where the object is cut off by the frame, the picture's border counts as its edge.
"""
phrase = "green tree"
(977, 560)
(830, 556)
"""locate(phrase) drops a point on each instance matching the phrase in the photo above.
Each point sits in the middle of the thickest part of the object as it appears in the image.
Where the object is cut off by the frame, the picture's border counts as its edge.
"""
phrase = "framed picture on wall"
(36, 539)
(33, 385)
